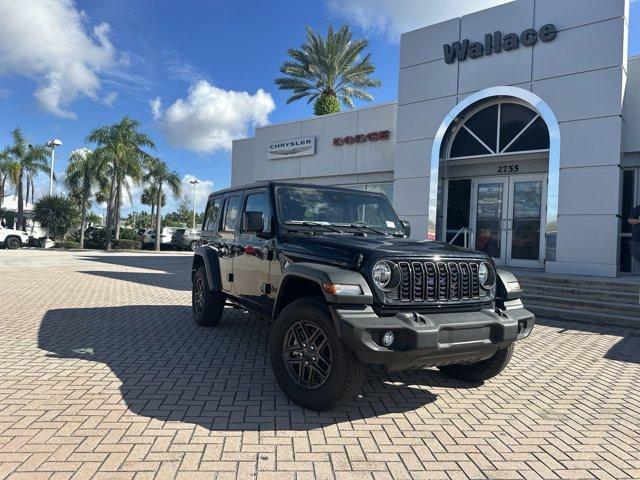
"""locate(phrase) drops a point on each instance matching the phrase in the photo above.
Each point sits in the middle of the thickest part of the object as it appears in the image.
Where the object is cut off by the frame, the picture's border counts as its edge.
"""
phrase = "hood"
(344, 248)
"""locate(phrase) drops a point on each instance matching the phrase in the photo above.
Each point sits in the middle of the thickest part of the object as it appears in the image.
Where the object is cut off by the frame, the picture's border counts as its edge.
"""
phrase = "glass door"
(525, 217)
(489, 204)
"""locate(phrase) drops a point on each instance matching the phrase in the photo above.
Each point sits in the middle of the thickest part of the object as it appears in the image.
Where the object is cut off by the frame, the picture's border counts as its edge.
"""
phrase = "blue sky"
(195, 73)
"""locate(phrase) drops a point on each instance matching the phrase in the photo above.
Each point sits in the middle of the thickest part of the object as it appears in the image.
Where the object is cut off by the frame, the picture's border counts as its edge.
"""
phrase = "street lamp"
(194, 183)
(52, 144)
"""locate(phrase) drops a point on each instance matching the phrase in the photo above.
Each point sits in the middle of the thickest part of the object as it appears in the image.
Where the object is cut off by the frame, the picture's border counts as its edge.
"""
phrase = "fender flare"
(208, 257)
(507, 286)
(320, 274)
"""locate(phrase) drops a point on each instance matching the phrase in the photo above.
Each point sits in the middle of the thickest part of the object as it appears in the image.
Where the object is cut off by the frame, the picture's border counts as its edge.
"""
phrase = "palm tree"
(9, 170)
(148, 197)
(82, 176)
(328, 71)
(28, 160)
(57, 214)
(159, 175)
(120, 150)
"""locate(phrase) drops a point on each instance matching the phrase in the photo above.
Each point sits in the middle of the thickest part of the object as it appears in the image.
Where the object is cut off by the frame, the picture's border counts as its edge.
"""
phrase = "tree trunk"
(3, 182)
(153, 209)
(83, 222)
(110, 210)
(20, 215)
(158, 220)
(118, 206)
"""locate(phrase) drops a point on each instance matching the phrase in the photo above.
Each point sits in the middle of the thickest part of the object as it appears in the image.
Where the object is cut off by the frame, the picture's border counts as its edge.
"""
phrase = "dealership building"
(520, 123)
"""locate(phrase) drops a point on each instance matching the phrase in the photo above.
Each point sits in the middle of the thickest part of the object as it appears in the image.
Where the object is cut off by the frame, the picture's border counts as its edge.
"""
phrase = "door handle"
(503, 224)
(510, 224)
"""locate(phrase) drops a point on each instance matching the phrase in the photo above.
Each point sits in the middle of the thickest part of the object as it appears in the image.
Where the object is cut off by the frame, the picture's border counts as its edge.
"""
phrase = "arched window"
(499, 129)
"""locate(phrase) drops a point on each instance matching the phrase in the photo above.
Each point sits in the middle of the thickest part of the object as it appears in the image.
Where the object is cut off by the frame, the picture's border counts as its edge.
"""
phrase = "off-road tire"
(11, 243)
(480, 371)
(209, 310)
(346, 373)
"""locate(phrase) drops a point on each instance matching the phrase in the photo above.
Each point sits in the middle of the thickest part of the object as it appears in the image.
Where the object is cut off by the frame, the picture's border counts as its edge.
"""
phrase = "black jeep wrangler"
(335, 271)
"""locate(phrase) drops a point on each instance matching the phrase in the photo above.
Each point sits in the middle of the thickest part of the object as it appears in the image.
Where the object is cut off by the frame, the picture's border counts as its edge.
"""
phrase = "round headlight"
(485, 276)
(382, 274)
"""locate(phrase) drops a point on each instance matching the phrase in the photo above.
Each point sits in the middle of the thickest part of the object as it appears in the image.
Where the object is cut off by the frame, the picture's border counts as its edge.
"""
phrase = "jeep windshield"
(340, 208)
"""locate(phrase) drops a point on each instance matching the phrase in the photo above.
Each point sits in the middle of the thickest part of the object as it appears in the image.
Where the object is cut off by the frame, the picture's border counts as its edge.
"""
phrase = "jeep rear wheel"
(480, 371)
(12, 242)
(207, 304)
(313, 367)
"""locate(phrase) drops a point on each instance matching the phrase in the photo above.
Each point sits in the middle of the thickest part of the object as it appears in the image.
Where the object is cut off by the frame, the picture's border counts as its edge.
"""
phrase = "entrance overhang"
(536, 103)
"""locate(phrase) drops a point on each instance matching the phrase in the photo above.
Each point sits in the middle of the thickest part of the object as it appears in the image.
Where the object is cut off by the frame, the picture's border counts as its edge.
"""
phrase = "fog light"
(387, 339)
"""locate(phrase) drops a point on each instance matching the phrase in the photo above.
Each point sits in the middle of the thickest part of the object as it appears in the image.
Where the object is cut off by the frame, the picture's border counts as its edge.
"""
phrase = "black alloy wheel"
(307, 355)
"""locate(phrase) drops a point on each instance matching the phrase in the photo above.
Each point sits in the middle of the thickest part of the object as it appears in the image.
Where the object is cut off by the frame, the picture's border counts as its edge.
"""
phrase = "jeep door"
(254, 253)
(226, 241)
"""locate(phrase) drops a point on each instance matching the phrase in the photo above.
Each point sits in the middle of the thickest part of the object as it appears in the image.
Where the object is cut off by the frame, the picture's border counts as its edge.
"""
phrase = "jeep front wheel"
(313, 367)
(480, 371)
(207, 304)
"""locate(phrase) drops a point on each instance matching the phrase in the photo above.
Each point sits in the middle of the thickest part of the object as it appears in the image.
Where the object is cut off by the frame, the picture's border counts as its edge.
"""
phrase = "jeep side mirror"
(253, 222)
(407, 227)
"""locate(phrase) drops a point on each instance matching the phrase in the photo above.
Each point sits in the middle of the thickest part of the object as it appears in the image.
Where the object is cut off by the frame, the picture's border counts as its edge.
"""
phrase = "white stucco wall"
(356, 163)
(581, 75)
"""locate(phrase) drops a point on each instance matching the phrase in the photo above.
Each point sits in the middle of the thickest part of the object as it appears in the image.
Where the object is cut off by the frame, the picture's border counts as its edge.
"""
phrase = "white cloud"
(211, 117)
(156, 108)
(391, 18)
(49, 41)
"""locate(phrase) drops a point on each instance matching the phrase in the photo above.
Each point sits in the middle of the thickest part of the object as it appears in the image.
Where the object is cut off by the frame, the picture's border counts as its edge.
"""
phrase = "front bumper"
(430, 339)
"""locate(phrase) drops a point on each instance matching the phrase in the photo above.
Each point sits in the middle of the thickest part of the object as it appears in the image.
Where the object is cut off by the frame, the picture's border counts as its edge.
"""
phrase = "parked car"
(149, 236)
(186, 238)
(13, 239)
(335, 271)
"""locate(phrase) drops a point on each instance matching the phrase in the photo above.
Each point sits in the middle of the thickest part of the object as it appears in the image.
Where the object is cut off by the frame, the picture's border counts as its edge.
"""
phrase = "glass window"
(335, 207)
(513, 118)
(628, 195)
(259, 202)
(464, 145)
(386, 188)
(211, 214)
(231, 208)
(485, 125)
(521, 130)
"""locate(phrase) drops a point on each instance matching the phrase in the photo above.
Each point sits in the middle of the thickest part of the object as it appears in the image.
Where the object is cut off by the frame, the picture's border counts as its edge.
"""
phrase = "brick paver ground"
(104, 375)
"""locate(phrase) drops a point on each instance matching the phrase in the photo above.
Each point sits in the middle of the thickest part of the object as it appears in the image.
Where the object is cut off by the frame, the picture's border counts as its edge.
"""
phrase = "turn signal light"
(340, 289)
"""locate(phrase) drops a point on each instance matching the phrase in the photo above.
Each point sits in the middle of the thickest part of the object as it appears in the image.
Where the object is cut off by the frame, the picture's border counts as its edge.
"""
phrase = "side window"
(259, 202)
(230, 218)
(211, 215)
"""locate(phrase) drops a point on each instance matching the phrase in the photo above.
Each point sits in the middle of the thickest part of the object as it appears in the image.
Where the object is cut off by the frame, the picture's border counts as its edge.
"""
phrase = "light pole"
(52, 144)
(194, 183)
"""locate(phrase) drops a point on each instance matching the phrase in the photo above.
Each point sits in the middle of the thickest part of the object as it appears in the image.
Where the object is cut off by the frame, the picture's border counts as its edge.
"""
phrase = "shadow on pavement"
(166, 271)
(219, 378)
(627, 349)
(151, 261)
(179, 280)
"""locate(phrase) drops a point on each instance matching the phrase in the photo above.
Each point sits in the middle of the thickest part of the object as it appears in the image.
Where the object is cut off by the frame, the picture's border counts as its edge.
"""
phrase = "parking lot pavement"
(104, 375)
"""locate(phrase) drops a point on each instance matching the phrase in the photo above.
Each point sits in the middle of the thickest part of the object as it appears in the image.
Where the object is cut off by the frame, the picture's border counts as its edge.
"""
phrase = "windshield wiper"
(317, 224)
(362, 225)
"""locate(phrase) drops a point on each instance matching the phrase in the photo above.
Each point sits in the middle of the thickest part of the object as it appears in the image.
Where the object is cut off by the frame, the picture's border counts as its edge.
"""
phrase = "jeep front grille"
(438, 281)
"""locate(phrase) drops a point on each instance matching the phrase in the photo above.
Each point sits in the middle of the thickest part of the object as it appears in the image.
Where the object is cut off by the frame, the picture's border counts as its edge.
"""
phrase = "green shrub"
(129, 234)
(98, 240)
(67, 245)
(125, 244)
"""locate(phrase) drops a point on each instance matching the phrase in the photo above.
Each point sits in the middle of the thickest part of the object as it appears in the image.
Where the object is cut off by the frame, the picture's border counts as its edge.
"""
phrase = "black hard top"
(275, 183)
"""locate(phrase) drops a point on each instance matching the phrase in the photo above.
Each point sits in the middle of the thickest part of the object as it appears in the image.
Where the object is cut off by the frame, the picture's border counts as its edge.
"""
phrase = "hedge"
(69, 245)
(125, 244)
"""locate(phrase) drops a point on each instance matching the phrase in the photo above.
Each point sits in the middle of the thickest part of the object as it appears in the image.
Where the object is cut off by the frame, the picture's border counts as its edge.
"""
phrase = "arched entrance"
(494, 168)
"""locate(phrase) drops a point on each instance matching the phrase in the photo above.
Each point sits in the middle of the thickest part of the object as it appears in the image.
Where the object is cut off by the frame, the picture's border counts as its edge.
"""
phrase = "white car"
(12, 239)
(149, 236)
